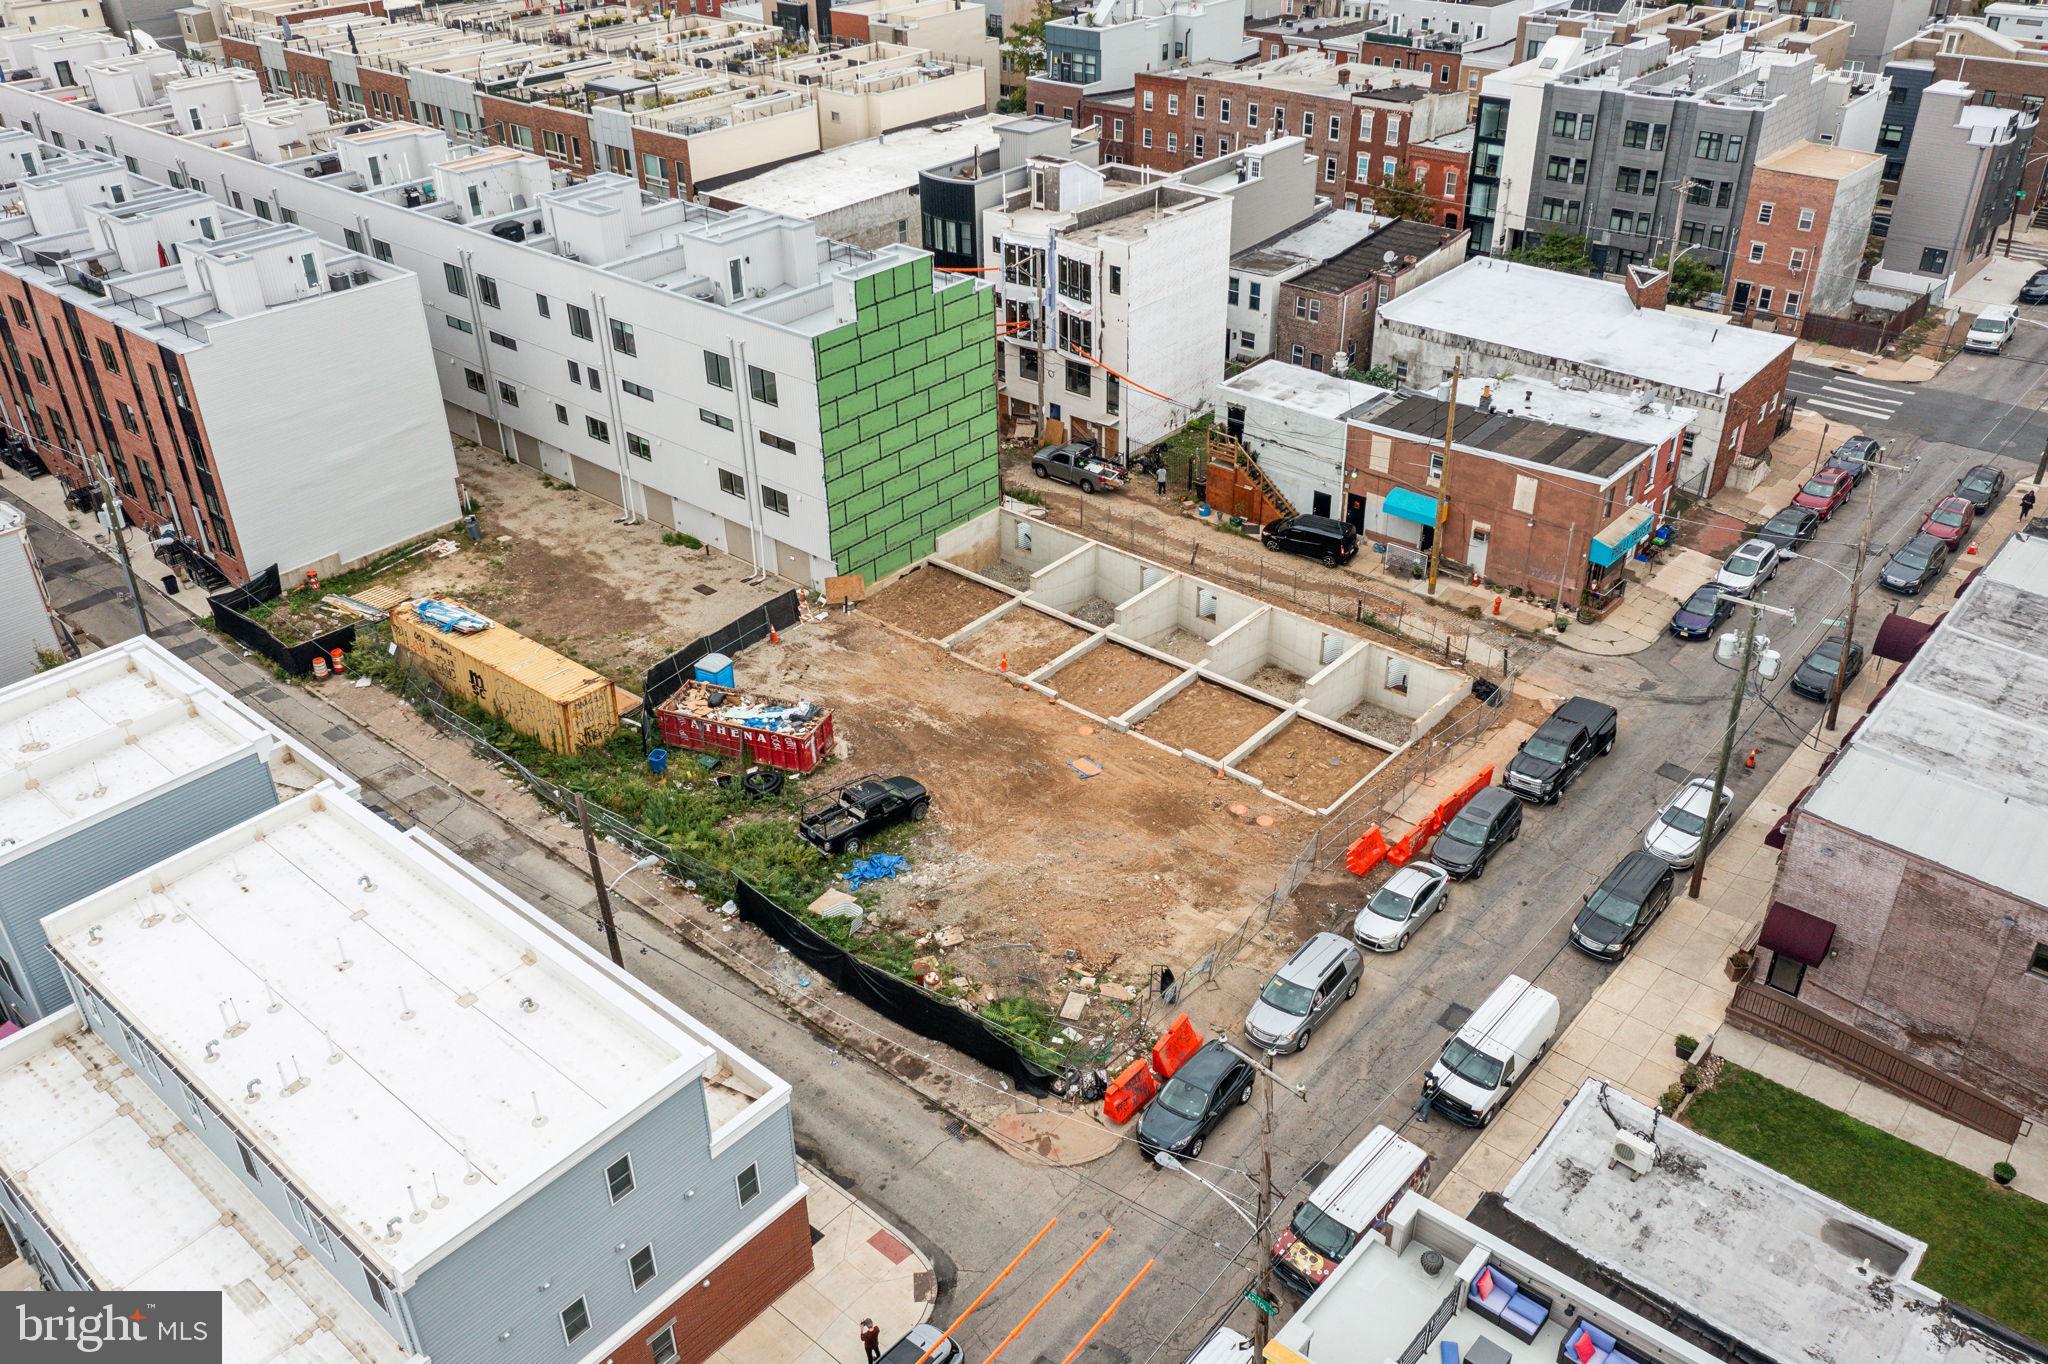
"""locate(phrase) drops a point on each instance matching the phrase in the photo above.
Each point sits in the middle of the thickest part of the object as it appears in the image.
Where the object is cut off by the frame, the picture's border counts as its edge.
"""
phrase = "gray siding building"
(1958, 187)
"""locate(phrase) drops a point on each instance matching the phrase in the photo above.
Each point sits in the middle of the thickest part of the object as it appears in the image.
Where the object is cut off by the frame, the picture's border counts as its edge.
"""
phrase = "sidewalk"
(1915, 369)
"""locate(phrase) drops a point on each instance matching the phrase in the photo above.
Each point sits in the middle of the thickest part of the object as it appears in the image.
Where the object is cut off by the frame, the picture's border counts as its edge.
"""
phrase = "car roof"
(1319, 522)
(1413, 880)
(1753, 545)
(1923, 542)
(1696, 792)
(1314, 957)
(1584, 710)
(1828, 474)
(1960, 502)
(1490, 802)
(1830, 646)
(1635, 873)
(1795, 513)
(1209, 1064)
(1987, 470)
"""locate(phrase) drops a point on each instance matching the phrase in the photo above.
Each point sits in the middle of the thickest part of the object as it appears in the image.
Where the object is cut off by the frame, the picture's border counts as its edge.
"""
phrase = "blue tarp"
(449, 618)
(1411, 506)
(1611, 545)
(880, 867)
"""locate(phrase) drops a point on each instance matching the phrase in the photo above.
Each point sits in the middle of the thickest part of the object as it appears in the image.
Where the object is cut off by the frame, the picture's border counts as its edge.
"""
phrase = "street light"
(1167, 1160)
(1756, 609)
(642, 865)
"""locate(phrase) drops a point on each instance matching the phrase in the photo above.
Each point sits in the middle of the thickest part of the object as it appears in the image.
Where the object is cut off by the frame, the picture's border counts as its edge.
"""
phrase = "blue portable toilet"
(715, 669)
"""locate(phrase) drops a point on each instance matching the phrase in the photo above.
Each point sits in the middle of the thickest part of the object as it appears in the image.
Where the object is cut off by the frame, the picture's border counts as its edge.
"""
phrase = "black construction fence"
(297, 659)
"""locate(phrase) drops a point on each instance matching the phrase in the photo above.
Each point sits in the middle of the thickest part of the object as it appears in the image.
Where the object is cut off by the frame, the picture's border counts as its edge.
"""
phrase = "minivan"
(1351, 1203)
(1623, 906)
(1322, 974)
(1500, 1043)
(1992, 329)
(1314, 537)
(1490, 820)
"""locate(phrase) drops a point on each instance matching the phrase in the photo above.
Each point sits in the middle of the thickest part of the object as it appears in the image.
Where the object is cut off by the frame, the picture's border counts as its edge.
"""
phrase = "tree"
(1691, 279)
(1024, 49)
(1379, 376)
(1403, 195)
(1557, 251)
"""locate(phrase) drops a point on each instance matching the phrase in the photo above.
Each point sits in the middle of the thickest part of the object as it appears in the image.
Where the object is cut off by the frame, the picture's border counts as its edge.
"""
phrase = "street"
(970, 1205)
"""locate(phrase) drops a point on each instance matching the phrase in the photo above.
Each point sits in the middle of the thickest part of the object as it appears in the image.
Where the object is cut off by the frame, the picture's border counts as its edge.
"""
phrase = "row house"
(1801, 245)
(1324, 317)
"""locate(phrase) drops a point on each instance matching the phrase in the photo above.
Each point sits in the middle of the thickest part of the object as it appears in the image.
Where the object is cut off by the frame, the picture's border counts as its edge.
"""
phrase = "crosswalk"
(1859, 400)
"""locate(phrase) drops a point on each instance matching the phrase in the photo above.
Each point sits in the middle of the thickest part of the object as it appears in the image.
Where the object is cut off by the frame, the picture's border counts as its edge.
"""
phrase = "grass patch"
(1987, 1247)
(1186, 446)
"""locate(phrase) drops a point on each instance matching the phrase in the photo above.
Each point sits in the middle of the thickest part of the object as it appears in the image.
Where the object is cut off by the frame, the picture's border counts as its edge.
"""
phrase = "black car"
(1917, 565)
(2035, 290)
(1983, 485)
(1551, 759)
(1855, 457)
(1622, 908)
(1815, 678)
(1315, 537)
(1190, 1104)
(1490, 820)
(1698, 614)
(1793, 526)
(837, 821)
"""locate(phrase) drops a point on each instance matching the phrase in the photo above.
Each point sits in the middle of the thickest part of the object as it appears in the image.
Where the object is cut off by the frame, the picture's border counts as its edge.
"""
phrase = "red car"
(1950, 520)
(1825, 491)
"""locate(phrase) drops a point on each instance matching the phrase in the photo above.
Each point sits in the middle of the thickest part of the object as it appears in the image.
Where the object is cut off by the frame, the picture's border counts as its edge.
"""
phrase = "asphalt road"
(974, 1207)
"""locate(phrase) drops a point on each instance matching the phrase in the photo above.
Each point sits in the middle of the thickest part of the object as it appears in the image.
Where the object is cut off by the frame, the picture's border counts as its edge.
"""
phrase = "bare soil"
(1182, 644)
(1109, 679)
(933, 602)
(1275, 680)
(1209, 719)
(1010, 575)
(1378, 721)
(1022, 853)
(1030, 639)
(1307, 763)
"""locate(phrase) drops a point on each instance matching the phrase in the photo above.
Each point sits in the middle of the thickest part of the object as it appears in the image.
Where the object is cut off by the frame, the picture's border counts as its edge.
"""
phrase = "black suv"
(1490, 820)
(1915, 565)
(1623, 907)
(1313, 537)
(1552, 758)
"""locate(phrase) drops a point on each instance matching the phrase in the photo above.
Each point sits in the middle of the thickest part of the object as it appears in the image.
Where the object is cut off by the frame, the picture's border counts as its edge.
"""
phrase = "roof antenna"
(539, 1118)
(154, 917)
(344, 963)
(470, 1174)
(232, 1017)
(419, 1214)
(404, 1010)
(276, 1004)
(440, 1200)
(300, 1083)
(212, 1050)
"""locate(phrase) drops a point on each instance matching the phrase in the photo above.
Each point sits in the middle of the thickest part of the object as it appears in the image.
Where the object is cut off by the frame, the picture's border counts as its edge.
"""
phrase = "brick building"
(1323, 319)
(1799, 243)
(1442, 168)
(1439, 58)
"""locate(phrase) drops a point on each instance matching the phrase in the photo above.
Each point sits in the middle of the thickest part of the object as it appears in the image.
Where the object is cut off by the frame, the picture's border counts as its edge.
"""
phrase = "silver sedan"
(1675, 834)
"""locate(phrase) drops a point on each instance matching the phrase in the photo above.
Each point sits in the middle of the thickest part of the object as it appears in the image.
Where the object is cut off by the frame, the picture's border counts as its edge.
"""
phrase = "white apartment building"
(1105, 46)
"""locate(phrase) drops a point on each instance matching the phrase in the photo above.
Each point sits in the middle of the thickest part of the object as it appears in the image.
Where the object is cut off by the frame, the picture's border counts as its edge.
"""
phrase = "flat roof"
(1644, 419)
(107, 730)
(1330, 232)
(1951, 765)
(1818, 160)
(1357, 263)
(860, 171)
(1307, 390)
(1522, 438)
(1587, 321)
(454, 1052)
(1757, 1255)
(121, 1182)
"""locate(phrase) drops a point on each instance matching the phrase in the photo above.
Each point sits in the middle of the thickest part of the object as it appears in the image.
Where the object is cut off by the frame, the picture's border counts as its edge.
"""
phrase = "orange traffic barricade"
(1367, 852)
(1130, 1092)
(1176, 1045)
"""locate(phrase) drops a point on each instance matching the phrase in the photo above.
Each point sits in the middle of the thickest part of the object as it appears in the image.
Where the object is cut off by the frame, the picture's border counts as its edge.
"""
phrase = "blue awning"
(1626, 531)
(1410, 506)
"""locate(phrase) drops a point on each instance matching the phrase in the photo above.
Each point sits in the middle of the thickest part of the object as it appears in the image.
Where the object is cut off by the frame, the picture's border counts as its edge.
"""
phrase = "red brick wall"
(1343, 322)
(1787, 194)
(852, 27)
(1752, 419)
(311, 76)
(1060, 99)
(237, 52)
(674, 150)
(385, 94)
(715, 1308)
(1443, 173)
(577, 151)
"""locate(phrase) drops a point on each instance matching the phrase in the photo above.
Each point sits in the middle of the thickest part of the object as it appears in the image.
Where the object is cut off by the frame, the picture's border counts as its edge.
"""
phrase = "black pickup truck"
(837, 821)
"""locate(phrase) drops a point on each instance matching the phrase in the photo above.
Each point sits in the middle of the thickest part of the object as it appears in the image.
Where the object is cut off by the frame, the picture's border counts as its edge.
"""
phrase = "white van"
(1992, 329)
(1498, 1045)
(1352, 1202)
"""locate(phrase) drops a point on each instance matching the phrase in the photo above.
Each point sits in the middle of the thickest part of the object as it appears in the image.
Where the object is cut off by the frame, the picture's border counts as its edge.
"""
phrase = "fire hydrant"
(1496, 604)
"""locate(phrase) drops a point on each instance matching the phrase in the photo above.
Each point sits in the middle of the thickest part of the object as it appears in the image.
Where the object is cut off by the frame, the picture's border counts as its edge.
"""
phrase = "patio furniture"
(1485, 1351)
(1598, 1347)
(1507, 1304)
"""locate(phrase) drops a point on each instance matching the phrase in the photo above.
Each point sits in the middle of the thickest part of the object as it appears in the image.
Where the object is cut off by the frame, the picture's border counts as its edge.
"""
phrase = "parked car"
(923, 1338)
(1401, 906)
(1825, 491)
(837, 821)
(1983, 485)
(1950, 521)
(1194, 1099)
(1551, 759)
(2035, 290)
(1698, 614)
(1992, 329)
(1322, 973)
(1623, 906)
(1345, 1208)
(1500, 1043)
(1674, 834)
(1790, 527)
(1078, 464)
(1815, 678)
(1314, 537)
(1855, 456)
(1754, 563)
(1915, 566)
(1490, 821)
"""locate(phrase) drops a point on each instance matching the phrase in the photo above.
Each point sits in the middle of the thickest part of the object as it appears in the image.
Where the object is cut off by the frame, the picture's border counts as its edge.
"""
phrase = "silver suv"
(1323, 973)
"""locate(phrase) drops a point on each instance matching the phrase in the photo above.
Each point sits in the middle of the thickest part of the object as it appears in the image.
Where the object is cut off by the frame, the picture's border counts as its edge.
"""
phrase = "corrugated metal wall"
(46, 879)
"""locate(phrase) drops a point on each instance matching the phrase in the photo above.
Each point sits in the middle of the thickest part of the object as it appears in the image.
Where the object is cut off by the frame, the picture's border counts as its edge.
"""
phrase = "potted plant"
(2004, 1173)
(1689, 1078)
(1687, 1045)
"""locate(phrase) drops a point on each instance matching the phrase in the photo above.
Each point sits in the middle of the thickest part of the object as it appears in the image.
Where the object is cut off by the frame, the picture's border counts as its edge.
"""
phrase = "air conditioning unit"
(337, 281)
(1638, 1156)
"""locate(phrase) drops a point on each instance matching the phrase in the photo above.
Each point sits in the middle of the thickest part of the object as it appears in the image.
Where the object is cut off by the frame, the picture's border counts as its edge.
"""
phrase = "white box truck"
(1498, 1045)
(1350, 1203)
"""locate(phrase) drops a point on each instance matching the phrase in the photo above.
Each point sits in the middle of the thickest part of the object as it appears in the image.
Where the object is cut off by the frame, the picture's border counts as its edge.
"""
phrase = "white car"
(1992, 329)
(1674, 834)
(1749, 567)
(1398, 908)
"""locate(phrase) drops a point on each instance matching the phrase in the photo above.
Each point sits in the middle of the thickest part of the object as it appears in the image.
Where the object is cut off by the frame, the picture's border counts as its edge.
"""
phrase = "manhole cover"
(703, 589)
(1453, 1017)
(337, 732)
(1673, 772)
(1316, 1172)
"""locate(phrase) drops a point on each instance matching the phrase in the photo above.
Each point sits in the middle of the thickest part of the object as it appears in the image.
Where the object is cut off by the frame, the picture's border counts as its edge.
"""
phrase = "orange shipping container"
(529, 686)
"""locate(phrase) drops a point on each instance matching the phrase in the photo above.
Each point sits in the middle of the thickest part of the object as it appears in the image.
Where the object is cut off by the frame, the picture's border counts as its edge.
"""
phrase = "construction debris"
(880, 867)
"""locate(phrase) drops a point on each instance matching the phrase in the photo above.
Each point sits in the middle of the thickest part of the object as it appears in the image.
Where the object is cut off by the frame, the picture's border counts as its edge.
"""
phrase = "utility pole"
(116, 526)
(604, 896)
(1262, 1326)
(1849, 632)
(2041, 466)
(1699, 863)
(1443, 490)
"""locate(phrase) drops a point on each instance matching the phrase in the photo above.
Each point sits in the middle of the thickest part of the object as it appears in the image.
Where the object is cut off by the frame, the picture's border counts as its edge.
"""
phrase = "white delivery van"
(1351, 1202)
(1992, 329)
(1480, 1067)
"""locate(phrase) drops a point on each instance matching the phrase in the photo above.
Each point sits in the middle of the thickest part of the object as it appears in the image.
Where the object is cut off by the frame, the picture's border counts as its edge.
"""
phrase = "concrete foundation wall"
(1032, 545)
(975, 544)
(1152, 613)
(1096, 572)
(1241, 650)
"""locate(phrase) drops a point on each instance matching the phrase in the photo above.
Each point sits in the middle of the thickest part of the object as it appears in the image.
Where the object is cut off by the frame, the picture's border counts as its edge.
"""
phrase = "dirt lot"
(1209, 719)
(1183, 644)
(1029, 639)
(932, 602)
(1378, 721)
(1109, 679)
(1021, 852)
(1310, 764)
(1275, 680)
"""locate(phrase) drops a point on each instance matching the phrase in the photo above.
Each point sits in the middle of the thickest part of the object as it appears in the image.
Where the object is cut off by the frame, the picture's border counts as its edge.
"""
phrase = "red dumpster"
(751, 728)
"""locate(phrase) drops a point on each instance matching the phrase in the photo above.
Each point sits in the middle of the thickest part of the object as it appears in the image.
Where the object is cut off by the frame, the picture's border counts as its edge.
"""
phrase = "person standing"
(2026, 505)
(1159, 474)
(871, 1339)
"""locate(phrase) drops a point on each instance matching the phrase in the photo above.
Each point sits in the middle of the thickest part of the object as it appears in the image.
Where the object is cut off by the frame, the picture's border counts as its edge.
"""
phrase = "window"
(1756, 253)
(575, 1320)
(1806, 220)
(618, 1177)
(600, 430)
(1172, 141)
(579, 322)
(1201, 106)
(638, 446)
(1223, 111)
(507, 394)
(1251, 115)
(1797, 260)
(1786, 973)
(777, 501)
(456, 285)
(640, 391)
(1436, 466)
(1635, 134)
(474, 380)
(1173, 104)
(1297, 354)
(1933, 261)
(761, 383)
(575, 372)
(540, 301)
(1252, 296)
(710, 418)
(642, 1267)
(1763, 300)
(561, 414)
(195, 1107)
(249, 1161)
(1525, 493)
(128, 421)
(729, 482)
(1148, 101)
(1563, 124)
(487, 291)
(1708, 147)
(376, 1290)
(500, 339)
(1198, 147)
(1233, 291)
(717, 370)
(1329, 169)
(1145, 137)
(622, 338)
(107, 360)
(1116, 272)
(1763, 213)
(775, 442)
(1734, 152)
(750, 1184)
(1116, 128)
(1336, 125)
(2038, 966)
(459, 325)
(1792, 303)
(661, 1346)
(595, 379)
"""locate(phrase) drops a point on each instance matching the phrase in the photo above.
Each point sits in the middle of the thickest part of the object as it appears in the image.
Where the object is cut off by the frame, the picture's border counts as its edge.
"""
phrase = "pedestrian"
(1159, 475)
(2026, 504)
(871, 1339)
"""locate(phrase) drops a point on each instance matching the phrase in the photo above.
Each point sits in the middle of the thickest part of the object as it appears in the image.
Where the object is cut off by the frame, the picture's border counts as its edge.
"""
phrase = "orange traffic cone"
(1973, 547)
(313, 579)
(1750, 761)
(319, 666)
(334, 655)
(1003, 664)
